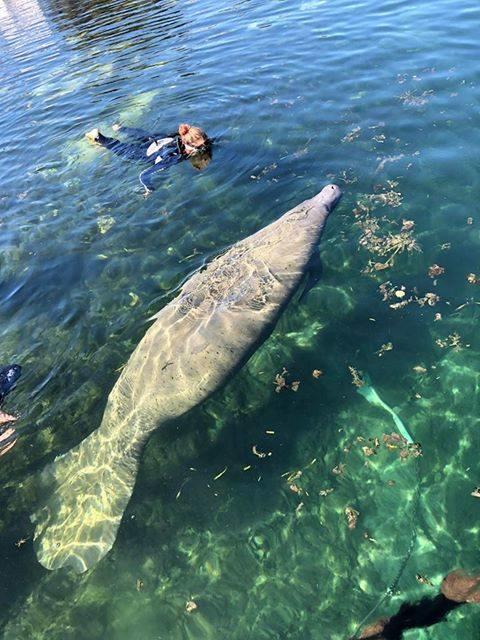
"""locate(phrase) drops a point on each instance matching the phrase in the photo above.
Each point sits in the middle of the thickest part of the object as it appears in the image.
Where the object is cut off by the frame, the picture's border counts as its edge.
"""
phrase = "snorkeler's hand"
(146, 179)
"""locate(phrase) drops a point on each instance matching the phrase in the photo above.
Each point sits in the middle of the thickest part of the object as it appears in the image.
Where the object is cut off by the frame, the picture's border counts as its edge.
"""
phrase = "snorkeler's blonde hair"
(193, 136)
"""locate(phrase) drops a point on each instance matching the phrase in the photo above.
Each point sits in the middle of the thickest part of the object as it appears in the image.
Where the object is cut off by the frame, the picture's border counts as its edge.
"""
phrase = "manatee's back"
(198, 341)
(206, 334)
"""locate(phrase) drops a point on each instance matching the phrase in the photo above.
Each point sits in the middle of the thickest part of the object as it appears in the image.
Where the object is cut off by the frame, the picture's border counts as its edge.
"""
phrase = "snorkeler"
(457, 588)
(8, 379)
(160, 152)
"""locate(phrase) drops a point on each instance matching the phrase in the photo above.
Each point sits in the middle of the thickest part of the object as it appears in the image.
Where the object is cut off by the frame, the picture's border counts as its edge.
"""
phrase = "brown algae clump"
(352, 517)
(280, 382)
(378, 233)
(357, 379)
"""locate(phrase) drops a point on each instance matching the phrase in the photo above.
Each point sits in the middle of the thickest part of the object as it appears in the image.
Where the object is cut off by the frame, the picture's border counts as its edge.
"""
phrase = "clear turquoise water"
(301, 93)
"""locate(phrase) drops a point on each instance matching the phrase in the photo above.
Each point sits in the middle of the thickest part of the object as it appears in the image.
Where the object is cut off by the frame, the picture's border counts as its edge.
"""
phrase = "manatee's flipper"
(313, 274)
(87, 491)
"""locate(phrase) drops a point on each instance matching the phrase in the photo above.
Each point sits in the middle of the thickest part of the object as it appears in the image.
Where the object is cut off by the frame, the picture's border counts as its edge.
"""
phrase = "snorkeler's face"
(191, 148)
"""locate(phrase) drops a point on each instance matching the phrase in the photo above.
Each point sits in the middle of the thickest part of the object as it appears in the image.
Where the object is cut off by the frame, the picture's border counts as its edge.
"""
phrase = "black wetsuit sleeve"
(145, 177)
(147, 174)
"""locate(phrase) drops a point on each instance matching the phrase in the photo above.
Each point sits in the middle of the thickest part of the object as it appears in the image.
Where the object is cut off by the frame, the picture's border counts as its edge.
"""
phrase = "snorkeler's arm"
(145, 178)
(160, 165)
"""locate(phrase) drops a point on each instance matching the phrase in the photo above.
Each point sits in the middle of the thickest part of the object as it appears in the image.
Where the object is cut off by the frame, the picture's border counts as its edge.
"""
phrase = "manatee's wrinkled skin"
(198, 341)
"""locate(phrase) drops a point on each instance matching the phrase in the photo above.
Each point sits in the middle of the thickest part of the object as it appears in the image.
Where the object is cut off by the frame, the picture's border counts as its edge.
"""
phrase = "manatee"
(196, 344)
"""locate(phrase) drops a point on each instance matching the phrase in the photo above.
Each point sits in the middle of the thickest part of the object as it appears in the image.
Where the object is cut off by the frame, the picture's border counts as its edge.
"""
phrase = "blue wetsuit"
(160, 152)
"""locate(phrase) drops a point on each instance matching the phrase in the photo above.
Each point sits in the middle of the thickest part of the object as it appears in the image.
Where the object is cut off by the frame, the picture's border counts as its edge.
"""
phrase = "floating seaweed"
(352, 517)
(388, 346)
(435, 270)
(280, 382)
(453, 340)
(378, 234)
(352, 135)
(190, 606)
(423, 580)
(414, 99)
(357, 379)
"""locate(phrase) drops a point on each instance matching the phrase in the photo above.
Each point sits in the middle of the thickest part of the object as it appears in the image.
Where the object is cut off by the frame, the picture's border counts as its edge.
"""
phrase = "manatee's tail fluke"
(88, 491)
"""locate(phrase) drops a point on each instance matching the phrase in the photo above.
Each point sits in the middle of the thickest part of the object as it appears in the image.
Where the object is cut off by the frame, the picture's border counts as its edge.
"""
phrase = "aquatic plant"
(377, 232)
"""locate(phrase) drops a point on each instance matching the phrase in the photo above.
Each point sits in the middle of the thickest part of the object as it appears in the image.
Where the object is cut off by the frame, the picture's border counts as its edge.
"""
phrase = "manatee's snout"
(330, 195)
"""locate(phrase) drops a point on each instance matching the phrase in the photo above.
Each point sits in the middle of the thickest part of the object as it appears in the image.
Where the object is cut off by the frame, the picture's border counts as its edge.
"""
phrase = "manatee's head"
(8, 378)
(329, 196)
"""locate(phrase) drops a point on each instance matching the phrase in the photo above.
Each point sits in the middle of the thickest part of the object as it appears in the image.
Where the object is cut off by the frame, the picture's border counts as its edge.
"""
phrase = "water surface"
(380, 98)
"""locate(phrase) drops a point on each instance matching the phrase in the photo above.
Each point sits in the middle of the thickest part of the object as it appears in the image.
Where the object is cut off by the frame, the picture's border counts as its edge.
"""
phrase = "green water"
(300, 94)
